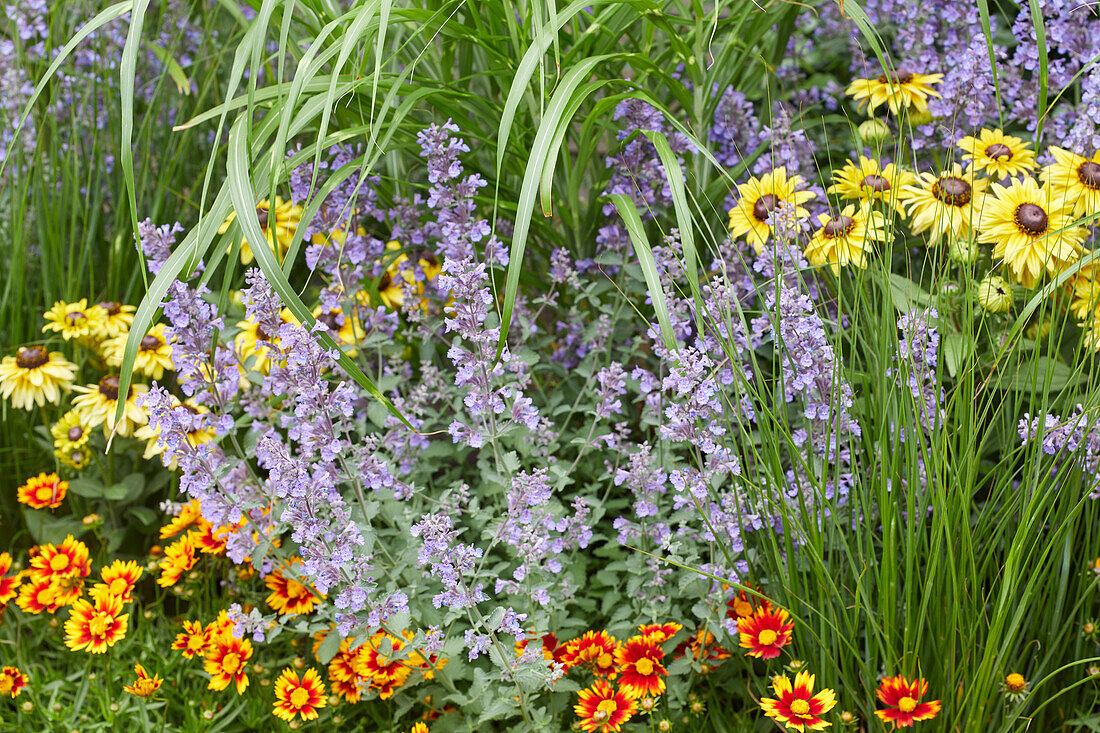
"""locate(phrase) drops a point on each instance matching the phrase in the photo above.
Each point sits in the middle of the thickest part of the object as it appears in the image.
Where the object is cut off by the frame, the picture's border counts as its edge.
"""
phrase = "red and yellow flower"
(179, 557)
(594, 650)
(95, 628)
(9, 584)
(119, 579)
(67, 560)
(144, 685)
(12, 682)
(660, 632)
(189, 514)
(226, 661)
(902, 699)
(46, 490)
(192, 641)
(299, 696)
(796, 706)
(640, 667)
(40, 595)
(604, 709)
(744, 605)
(765, 633)
(288, 596)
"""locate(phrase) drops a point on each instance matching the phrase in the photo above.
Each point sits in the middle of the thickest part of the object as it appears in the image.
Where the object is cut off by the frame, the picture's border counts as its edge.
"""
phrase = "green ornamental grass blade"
(127, 72)
(629, 213)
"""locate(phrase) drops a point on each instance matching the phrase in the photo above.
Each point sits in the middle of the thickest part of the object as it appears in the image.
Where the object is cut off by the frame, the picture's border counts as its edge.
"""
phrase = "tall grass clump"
(603, 366)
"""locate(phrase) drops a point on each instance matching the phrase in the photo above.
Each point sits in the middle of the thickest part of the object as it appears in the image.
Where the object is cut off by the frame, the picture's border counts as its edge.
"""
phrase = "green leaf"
(44, 527)
(957, 350)
(907, 294)
(329, 647)
(86, 487)
(144, 515)
(1046, 374)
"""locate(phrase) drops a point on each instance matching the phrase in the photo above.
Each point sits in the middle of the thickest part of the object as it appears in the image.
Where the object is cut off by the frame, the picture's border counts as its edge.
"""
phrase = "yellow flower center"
(195, 642)
(299, 697)
(1015, 682)
(294, 589)
(6, 684)
(44, 493)
(644, 666)
(800, 707)
(606, 707)
(604, 661)
(767, 637)
(98, 625)
(118, 586)
(59, 562)
(907, 705)
(231, 663)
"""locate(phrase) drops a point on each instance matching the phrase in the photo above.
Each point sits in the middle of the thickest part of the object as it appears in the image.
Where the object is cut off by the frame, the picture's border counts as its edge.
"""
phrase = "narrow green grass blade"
(127, 72)
(1041, 43)
(633, 223)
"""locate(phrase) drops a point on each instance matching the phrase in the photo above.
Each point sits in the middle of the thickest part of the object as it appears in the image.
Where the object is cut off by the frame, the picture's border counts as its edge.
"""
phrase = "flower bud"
(874, 131)
(995, 294)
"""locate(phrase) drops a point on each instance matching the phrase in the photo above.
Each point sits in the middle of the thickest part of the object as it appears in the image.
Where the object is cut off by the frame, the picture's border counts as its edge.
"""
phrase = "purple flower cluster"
(918, 350)
(1073, 439)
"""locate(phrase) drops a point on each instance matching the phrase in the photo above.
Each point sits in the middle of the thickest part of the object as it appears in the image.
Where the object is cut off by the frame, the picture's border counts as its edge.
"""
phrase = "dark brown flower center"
(764, 206)
(151, 342)
(330, 319)
(838, 227)
(901, 76)
(108, 387)
(876, 183)
(112, 308)
(75, 317)
(1031, 219)
(75, 433)
(32, 357)
(1089, 174)
(952, 191)
(261, 214)
(999, 150)
(384, 283)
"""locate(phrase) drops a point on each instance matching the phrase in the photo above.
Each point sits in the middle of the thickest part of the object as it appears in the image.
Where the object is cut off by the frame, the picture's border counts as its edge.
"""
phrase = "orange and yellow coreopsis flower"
(344, 680)
(385, 671)
(46, 490)
(95, 628)
(67, 560)
(144, 685)
(288, 596)
(660, 632)
(179, 557)
(9, 584)
(299, 696)
(902, 699)
(12, 682)
(192, 641)
(796, 706)
(765, 633)
(40, 595)
(745, 604)
(594, 650)
(119, 579)
(639, 661)
(604, 709)
(190, 513)
(226, 661)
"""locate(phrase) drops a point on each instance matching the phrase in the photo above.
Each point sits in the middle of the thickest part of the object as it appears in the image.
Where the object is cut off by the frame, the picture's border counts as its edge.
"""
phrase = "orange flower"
(703, 647)
(43, 490)
(69, 560)
(96, 628)
(744, 605)
(119, 579)
(288, 596)
(226, 661)
(294, 696)
(594, 650)
(189, 514)
(765, 633)
(9, 585)
(12, 682)
(38, 596)
(342, 677)
(797, 707)
(902, 699)
(207, 540)
(179, 557)
(144, 685)
(192, 641)
(660, 632)
(419, 728)
(640, 667)
(604, 709)
(375, 661)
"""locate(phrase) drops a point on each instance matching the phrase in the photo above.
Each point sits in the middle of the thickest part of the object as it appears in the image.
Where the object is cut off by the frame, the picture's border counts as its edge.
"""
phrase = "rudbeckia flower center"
(1089, 174)
(952, 191)
(764, 206)
(31, 357)
(838, 227)
(261, 214)
(999, 150)
(108, 387)
(75, 433)
(900, 77)
(59, 562)
(112, 308)
(231, 663)
(118, 586)
(150, 343)
(644, 666)
(329, 319)
(875, 182)
(75, 317)
(907, 705)
(299, 697)
(800, 707)
(767, 637)
(98, 625)
(1031, 219)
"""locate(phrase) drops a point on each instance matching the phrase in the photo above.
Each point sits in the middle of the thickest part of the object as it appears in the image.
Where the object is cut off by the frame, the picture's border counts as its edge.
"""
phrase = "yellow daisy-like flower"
(900, 90)
(1030, 230)
(868, 180)
(98, 401)
(1074, 181)
(70, 432)
(998, 154)
(1083, 289)
(846, 239)
(391, 287)
(118, 319)
(251, 341)
(757, 198)
(278, 233)
(946, 205)
(34, 376)
(75, 320)
(76, 459)
(154, 355)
